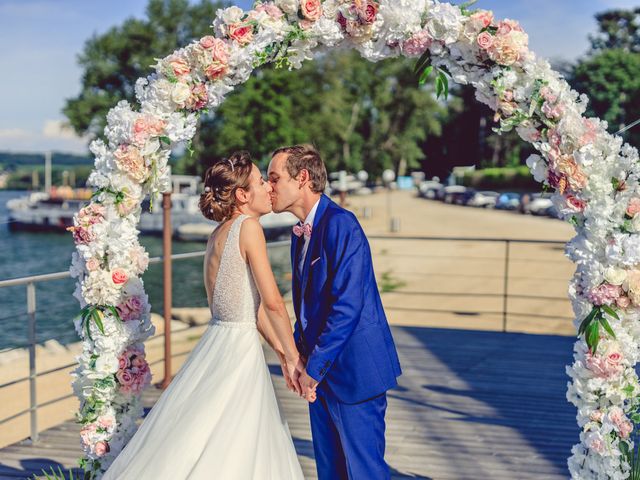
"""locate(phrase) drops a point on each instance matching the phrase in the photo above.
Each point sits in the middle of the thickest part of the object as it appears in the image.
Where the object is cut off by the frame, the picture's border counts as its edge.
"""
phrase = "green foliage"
(113, 61)
(617, 29)
(509, 178)
(611, 80)
(59, 475)
(591, 324)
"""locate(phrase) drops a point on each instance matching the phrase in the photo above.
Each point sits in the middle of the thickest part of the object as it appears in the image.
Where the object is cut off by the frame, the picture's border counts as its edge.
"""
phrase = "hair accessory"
(207, 189)
(230, 163)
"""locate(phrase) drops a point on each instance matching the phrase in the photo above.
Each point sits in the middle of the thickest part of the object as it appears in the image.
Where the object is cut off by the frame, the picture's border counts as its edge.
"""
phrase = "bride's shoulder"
(251, 231)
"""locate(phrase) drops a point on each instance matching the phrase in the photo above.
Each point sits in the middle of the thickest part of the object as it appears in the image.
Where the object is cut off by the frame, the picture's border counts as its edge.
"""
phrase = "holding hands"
(297, 378)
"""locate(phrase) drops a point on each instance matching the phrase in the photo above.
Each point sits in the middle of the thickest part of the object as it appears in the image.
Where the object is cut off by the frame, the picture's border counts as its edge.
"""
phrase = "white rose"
(230, 15)
(615, 276)
(288, 6)
(635, 223)
(180, 93)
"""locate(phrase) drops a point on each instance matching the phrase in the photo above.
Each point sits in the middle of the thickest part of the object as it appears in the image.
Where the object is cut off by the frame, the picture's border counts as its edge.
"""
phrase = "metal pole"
(47, 172)
(166, 273)
(505, 290)
(33, 405)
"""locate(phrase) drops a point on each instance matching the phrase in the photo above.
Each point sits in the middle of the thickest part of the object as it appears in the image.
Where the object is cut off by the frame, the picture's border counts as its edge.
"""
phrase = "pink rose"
(595, 442)
(483, 17)
(126, 206)
(123, 362)
(119, 276)
(367, 12)
(81, 235)
(485, 40)
(198, 98)
(623, 302)
(93, 264)
(207, 41)
(306, 24)
(145, 127)
(270, 9)
(311, 9)
(216, 70)
(625, 429)
(125, 378)
(634, 207)
(240, 32)
(575, 203)
(105, 422)
(596, 416)
(507, 26)
(130, 160)
(417, 44)
(102, 448)
(179, 66)
(87, 432)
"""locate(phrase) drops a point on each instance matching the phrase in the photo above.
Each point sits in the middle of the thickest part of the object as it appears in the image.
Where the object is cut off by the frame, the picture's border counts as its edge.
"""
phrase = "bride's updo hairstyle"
(218, 200)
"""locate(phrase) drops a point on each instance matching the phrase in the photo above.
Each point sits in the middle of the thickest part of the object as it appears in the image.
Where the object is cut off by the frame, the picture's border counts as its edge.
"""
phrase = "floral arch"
(595, 178)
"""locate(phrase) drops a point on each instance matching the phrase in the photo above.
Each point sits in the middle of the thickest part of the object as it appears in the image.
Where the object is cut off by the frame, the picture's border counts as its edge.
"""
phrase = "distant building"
(4, 178)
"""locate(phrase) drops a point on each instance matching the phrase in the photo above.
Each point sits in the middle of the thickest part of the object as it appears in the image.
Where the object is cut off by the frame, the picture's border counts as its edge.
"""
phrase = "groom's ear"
(303, 177)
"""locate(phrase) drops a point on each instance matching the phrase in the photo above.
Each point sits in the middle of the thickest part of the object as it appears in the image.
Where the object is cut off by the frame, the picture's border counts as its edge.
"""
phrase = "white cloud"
(55, 135)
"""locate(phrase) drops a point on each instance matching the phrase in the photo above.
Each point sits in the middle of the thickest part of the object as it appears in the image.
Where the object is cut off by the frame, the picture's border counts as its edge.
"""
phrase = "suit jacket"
(342, 328)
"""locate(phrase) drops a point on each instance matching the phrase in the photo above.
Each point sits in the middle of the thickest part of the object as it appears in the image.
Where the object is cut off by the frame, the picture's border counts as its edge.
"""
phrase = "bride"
(219, 418)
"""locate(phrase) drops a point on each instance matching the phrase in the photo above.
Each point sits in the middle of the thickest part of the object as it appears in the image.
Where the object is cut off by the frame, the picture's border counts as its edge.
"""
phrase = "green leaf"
(445, 83)
(165, 139)
(593, 336)
(610, 311)
(425, 75)
(607, 327)
(439, 87)
(96, 318)
(423, 62)
(585, 323)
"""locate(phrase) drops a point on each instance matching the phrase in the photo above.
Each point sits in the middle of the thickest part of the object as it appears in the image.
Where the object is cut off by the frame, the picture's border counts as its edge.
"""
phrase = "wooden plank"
(470, 404)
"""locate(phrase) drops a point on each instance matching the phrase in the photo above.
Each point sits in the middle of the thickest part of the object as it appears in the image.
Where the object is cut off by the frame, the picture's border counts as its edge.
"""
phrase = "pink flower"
(119, 276)
(548, 95)
(216, 70)
(179, 66)
(590, 133)
(554, 137)
(145, 127)
(417, 44)
(483, 17)
(623, 302)
(242, 33)
(552, 111)
(86, 433)
(595, 442)
(596, 416)
(270, 9)
(198, 98)
(625, 429)
(311, 9)
(123, 362)
(102, 448)
(605, 294)
(367, 11)
(634, 207)
(218, 48)
(125, 378)
(575, 203)
(506, 26)
(93, 264)
(485, 40)
(105, 422)
(130, 160)
(620, 421)
(81, 235)
(127, 205)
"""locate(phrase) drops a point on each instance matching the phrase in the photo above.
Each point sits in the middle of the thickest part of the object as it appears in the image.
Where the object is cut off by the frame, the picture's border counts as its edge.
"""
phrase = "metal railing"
(31, 308)
(30, 283)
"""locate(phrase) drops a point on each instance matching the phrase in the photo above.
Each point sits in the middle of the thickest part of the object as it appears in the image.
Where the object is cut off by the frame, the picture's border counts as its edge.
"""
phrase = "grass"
(389, 283)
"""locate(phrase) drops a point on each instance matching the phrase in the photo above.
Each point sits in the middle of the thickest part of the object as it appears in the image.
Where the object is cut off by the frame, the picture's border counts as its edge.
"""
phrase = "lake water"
(25, 253)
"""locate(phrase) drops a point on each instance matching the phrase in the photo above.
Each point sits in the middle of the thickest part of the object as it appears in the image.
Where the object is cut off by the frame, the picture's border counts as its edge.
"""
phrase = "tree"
(617, 29)
(113, 61)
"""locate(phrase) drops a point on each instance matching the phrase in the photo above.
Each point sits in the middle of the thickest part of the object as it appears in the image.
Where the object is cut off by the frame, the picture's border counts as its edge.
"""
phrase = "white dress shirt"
(305, 245)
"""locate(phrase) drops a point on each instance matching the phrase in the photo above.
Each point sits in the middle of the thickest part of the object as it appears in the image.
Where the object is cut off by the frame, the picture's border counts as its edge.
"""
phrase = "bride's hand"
(295, 367)
(285, 373)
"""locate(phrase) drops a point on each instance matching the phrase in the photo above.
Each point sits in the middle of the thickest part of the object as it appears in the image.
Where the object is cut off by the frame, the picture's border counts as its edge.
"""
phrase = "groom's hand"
(308, 385)
(294, 369)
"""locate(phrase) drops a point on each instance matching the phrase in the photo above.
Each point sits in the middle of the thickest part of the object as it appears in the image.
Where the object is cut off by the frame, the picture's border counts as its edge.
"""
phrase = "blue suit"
(342, 329)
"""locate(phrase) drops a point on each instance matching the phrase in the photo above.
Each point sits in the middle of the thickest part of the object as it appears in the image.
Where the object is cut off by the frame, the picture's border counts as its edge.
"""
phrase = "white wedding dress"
(219, 418)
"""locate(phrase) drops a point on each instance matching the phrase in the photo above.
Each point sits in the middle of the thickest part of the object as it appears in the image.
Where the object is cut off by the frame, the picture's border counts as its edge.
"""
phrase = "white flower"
(180, 93)
(444, 22)
(538, 167)
(230, 15)
(288, 6)
(615, 276)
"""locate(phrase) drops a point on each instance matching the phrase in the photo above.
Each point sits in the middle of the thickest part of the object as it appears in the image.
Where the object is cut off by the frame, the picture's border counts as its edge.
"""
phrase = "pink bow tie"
(299, 230)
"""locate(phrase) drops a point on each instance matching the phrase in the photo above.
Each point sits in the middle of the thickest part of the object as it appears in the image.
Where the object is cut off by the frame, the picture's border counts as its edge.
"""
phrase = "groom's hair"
(305, 157)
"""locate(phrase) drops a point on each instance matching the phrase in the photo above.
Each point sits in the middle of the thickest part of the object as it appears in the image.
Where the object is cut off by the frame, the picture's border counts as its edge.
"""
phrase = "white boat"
(41, 211)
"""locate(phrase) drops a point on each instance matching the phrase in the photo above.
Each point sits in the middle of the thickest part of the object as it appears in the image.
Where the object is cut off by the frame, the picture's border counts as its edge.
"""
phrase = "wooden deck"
(470, 405)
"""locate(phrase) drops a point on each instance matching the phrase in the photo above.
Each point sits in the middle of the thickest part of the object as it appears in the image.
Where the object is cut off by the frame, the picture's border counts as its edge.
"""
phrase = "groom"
(341, 329)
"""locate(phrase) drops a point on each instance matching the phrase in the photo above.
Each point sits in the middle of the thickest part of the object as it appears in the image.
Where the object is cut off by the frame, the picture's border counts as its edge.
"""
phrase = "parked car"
(483, 199)
(429, 189)
(456, 194)
(537, 204)
(508, 201)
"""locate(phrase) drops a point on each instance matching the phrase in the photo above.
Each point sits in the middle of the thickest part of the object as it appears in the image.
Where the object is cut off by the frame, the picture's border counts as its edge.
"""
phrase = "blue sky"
(42, 38)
